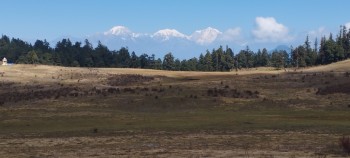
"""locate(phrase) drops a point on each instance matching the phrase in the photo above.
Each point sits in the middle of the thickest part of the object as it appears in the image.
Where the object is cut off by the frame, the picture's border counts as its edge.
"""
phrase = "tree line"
(66, 53)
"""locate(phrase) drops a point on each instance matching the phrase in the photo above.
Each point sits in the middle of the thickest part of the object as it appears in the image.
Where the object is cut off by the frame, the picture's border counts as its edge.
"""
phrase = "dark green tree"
(177, 65)
(134, 61)
(32, 57)
(158, 64)
(168, 62)
(201, 63)
(208, 62)
(123, 58)
(310, 55)
(265, 59)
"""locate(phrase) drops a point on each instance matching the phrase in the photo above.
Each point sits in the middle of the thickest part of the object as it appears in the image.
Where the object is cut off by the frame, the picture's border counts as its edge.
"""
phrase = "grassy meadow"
(49, 111)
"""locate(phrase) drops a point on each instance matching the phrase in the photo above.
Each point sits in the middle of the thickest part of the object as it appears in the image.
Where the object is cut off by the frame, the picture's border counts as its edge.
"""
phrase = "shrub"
(112, 90)
(161, 90)
(130, 90)
(344, 143)
(347, 74)
(210, 92)
(126, 79)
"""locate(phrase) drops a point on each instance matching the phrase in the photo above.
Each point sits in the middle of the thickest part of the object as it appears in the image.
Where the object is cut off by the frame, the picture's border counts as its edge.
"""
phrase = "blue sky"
(293, 19)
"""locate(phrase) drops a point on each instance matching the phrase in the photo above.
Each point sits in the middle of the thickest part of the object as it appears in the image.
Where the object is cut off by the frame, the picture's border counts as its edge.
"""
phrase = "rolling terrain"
(52, 111)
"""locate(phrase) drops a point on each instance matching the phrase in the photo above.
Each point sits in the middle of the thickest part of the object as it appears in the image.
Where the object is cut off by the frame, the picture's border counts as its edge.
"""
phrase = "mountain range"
(167, 40)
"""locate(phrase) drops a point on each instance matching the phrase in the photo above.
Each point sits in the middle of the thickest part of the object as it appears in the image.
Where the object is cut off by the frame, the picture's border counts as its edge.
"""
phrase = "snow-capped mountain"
(118, 31)
(201, 37)
(121, 31)
(160, 42)
(167, 34)
(164, 41)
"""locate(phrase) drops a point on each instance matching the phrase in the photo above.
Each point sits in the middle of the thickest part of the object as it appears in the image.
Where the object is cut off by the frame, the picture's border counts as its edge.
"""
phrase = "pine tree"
(168, 62)
(228, 59)
(134, 60)
(208, 62)
(215, 60)
(201, 63)
(56, 59)
(177, 65)
(265, 58)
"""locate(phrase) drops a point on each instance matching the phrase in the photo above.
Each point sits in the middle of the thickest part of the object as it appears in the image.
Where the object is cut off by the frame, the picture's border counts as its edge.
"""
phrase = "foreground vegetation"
(49, 111)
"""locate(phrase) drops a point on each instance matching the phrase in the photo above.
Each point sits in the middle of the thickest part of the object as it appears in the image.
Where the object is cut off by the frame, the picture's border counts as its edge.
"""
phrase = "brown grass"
(51, 111)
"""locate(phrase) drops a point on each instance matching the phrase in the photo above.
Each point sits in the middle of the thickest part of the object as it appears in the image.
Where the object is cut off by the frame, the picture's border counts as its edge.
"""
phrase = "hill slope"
(341, 66)
(45, 73)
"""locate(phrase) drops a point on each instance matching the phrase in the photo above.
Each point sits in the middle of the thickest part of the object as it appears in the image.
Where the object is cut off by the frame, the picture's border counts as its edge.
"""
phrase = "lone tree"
(168, 62)
(32, 57)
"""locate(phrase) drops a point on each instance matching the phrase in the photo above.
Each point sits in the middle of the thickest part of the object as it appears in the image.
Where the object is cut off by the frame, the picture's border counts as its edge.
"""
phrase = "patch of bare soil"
(127, 79)
(332, 89)
(234, 93)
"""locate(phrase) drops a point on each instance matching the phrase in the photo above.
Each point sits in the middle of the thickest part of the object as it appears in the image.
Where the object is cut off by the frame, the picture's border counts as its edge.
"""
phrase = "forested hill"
(66, 53)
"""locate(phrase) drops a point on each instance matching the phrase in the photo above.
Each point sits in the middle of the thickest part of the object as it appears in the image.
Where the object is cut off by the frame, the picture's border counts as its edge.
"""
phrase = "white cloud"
(231, 34)
(269, 30)
(318, 33)
(166, 34)
(347, 25)
(205, 36)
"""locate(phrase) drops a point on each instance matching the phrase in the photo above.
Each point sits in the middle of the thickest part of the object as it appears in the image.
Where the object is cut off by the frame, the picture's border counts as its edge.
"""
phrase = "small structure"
(4, 61)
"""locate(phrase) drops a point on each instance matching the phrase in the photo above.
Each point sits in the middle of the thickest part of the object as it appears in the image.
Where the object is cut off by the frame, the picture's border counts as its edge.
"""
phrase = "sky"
(257, 23)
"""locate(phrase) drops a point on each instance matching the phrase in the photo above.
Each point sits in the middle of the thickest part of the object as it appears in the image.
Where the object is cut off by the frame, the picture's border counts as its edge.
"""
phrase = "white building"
(4, 61)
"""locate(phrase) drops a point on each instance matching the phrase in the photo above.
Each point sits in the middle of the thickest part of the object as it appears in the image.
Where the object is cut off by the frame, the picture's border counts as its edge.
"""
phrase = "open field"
(49, 111)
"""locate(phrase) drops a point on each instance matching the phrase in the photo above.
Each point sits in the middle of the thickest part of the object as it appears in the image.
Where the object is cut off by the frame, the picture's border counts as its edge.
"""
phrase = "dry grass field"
(50, 111)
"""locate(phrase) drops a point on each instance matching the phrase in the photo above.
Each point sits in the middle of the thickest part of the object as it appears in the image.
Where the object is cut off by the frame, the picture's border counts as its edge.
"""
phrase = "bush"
(344, 143)
(95, 130)
(347, 74)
